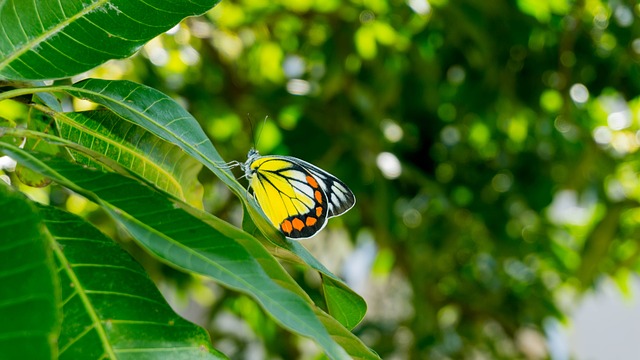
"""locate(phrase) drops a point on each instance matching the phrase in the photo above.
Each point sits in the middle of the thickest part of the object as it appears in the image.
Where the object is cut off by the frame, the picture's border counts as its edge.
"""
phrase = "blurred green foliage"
(492, 147)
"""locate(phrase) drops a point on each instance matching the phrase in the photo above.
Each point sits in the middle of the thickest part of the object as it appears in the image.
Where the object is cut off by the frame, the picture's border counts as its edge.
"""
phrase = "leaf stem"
(55, 140)
(30, 90)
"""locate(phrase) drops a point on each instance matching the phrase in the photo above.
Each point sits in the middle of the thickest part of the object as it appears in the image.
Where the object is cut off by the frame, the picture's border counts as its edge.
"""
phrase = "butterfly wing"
(290, 196)
(297, 197)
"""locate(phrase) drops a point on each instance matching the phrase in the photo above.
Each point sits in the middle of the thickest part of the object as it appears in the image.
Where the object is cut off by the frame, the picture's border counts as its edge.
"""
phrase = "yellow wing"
(297, 197)
(289, 195)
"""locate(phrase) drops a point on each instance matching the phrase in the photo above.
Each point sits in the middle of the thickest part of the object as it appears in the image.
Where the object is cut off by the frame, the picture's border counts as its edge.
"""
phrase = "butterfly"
(297, 197)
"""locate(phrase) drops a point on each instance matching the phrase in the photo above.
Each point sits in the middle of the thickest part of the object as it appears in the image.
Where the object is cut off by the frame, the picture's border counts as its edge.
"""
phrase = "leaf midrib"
(46, 34)
(80, 291)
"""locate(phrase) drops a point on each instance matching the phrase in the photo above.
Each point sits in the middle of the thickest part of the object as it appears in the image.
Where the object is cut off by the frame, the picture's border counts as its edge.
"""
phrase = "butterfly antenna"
(260, 133)
(253, 135)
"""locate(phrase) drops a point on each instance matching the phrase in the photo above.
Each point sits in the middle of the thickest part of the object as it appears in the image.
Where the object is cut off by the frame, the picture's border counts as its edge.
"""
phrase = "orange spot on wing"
(318, 196)
(311, 221)
(286, 227)
(312, 181)
(318, 211)
(297, 224)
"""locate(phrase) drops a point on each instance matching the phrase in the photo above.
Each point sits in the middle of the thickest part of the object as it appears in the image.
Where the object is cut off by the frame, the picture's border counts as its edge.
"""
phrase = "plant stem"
(53, 139)
(32, 90)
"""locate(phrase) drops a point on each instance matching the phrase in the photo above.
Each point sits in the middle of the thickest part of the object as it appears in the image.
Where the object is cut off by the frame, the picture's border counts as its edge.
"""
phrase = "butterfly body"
(297, 197)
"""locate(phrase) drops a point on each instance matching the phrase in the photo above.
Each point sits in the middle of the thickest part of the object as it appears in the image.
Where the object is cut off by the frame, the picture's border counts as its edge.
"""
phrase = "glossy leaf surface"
(110, 306)
(49, 39)
(157, 161)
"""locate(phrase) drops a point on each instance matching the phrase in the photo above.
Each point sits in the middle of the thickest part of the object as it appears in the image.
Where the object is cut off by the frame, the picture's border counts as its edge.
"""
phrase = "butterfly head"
(246, 167)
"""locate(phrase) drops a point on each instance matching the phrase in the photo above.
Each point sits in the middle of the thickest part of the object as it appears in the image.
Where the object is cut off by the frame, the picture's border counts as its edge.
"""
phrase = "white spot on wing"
(304, 188)
(335, 204)
(295, 175)
(338, 193)
(337, 187)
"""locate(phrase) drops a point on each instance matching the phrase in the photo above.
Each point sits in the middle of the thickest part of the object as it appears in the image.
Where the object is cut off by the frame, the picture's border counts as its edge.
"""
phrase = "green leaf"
(345, 307)
(60, 38)
(158, 114)
(111, 307)
(165, 118)
(159, 162)
(169, 231)
(29, 295)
